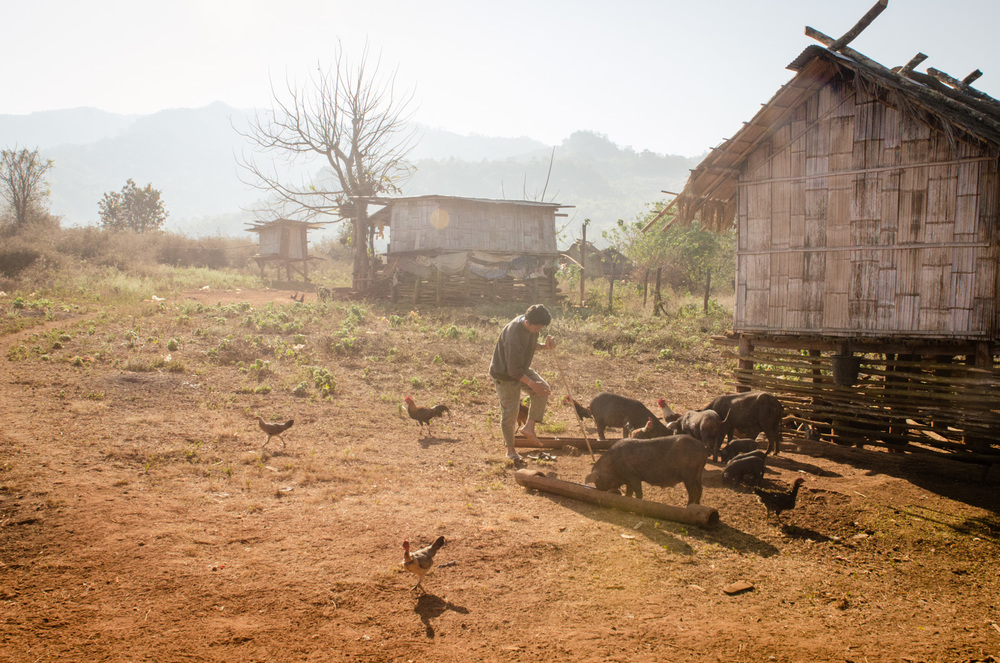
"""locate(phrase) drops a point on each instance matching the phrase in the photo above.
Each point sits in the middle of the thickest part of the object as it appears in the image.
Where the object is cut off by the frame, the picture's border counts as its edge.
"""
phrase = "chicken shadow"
(429, 440)
(803, 533)
(431, 607)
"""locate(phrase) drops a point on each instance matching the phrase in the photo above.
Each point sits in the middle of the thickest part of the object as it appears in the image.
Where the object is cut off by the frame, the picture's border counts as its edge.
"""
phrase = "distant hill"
(191, 156)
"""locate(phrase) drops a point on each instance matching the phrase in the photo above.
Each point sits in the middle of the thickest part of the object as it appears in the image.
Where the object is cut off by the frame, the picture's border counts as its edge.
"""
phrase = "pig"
(704, 425)
(661, 461)
(751, 413)
(743, 466)
(736, 447)
(618, 411)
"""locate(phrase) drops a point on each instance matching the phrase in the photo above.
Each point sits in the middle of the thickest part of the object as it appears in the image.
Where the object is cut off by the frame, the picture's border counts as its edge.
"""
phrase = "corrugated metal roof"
(531, 203)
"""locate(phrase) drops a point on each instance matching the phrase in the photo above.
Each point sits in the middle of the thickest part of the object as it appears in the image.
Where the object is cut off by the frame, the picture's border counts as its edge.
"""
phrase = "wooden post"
(745, 365)
(657, 302)
(611, 294)
(437, 285)
(708, 289)
(583, 265)
(645, 287)
(983, 359)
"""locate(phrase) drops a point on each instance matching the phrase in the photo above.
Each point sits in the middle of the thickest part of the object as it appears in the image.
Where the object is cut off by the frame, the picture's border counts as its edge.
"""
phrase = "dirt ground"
(141, 520)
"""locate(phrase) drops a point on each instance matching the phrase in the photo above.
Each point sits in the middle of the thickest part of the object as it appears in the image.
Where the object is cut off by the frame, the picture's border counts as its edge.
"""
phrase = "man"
(511, 372)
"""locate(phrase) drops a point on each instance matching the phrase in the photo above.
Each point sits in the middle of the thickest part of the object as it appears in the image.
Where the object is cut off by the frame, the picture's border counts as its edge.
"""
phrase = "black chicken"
(582, 412)
(777, 501)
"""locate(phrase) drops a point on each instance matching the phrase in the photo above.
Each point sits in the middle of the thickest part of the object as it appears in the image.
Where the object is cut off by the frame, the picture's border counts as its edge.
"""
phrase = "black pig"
(737, 447)
(751, 413)
(705, 425)
(618, 412)
(746, 465)
(661, 461)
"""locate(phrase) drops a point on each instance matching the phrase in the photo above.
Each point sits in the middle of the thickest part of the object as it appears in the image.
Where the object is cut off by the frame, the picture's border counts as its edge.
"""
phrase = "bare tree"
(22, 181)
(349, 117)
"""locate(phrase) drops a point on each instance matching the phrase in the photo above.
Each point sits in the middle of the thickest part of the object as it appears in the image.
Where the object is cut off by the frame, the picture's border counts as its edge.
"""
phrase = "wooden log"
(560, 442)
(859, 27)
(693, 514)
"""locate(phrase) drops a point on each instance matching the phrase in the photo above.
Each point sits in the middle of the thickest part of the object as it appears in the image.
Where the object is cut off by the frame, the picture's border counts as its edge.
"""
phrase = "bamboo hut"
(284, 243)
(452, 250)
(867, 206)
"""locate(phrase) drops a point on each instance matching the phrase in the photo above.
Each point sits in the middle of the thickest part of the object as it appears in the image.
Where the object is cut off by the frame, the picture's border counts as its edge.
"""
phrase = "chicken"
(582, 412)
(778, 501)
(423, 415)
(274, 429)
(299, 297)
(668, 414)
(419, 562)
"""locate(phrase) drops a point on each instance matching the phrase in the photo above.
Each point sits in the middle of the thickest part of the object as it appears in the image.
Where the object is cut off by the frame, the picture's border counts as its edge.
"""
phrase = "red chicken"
(668, 414)
(419, 562)
(423, 415)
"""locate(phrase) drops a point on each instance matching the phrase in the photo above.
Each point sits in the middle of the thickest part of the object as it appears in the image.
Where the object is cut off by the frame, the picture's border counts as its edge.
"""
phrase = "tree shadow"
(431, 607)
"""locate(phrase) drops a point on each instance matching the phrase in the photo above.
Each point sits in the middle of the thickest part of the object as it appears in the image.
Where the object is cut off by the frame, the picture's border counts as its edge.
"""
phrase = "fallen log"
(693, 514)
(560, 442)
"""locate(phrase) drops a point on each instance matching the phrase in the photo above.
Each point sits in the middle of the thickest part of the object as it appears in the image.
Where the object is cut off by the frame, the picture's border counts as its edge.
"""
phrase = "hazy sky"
(664, 75)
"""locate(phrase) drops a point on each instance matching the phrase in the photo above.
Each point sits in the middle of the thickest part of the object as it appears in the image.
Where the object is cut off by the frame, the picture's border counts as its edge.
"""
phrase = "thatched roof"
(941, 102)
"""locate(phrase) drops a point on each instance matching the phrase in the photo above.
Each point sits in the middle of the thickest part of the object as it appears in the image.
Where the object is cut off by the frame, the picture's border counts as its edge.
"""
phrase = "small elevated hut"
(284, 243)
(446, 249)
(867, 206)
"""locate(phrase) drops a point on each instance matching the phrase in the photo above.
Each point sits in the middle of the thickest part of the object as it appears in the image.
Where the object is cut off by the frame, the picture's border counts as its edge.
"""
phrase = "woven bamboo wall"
(471, 225)
(857, 220)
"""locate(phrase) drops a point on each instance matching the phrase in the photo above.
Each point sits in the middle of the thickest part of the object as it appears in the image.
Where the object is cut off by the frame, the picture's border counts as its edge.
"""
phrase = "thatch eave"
(711, 190)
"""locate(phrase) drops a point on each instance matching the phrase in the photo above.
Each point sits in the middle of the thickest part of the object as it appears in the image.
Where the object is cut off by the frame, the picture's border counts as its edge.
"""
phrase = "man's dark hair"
(537, 314)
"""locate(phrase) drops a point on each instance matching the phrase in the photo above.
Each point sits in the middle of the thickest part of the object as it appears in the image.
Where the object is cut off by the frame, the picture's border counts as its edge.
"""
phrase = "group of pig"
(675, 449)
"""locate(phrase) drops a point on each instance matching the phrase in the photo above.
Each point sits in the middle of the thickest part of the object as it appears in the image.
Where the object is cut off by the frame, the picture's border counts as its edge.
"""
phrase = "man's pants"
(509, 393)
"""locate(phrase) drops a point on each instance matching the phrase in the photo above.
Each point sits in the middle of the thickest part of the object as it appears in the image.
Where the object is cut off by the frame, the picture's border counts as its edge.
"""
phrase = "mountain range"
(192, 155)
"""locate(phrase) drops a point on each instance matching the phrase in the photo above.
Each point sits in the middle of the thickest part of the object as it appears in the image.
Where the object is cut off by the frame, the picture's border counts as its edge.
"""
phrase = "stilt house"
(867, 206)
(447, 249)
(284, 243)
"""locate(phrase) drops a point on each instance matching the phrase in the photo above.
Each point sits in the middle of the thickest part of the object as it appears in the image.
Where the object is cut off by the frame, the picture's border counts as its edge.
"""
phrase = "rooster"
(419, 562)
(668, 414)
(778, 501)
(274, 429)
(423, 415)
(582, 412)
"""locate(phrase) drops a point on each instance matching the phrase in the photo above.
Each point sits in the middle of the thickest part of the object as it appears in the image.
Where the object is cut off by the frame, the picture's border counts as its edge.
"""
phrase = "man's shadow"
(431, 607)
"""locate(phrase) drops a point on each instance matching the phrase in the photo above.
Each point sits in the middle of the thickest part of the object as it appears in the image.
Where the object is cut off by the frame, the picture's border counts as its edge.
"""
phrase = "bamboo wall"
(857, 221)
(452, 224)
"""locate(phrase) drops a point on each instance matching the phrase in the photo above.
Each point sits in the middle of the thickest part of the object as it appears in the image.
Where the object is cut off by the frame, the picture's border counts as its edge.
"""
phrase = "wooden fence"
(937, 401)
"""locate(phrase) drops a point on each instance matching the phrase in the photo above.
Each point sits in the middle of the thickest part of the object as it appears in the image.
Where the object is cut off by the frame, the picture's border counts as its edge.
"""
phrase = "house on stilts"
(454, 250)
(867, 205)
